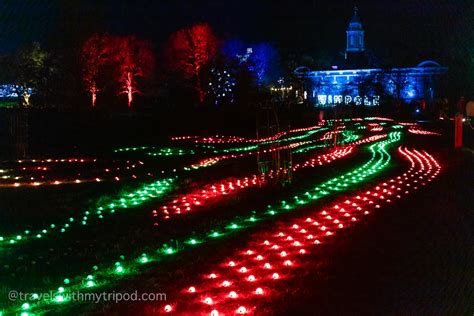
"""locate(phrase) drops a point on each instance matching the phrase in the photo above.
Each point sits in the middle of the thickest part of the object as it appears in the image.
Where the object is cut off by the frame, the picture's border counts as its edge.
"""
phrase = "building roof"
(355, 24)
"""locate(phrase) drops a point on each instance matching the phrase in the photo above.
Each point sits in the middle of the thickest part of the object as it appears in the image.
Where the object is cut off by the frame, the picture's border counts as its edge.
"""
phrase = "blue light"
(12, 91)
(263, 60)
(407, 84)
(235, 50)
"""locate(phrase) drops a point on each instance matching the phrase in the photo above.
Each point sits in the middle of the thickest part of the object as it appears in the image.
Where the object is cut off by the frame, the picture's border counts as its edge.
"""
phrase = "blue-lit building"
(357, 82)
(8, 91)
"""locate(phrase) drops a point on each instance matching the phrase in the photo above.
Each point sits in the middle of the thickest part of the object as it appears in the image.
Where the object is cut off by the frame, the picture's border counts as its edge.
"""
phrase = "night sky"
(403, 32)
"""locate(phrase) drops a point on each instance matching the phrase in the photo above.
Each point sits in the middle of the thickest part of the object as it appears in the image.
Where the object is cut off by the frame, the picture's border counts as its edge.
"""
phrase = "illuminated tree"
(189, 50)
(29, 71)
(135, 60)
(221, 86)
(258, 59)
(397, 82)
(94, 54)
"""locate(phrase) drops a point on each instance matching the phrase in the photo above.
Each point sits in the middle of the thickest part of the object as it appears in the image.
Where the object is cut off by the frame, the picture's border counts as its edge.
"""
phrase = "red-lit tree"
(190, 49)
(95, 53)
(135, 60)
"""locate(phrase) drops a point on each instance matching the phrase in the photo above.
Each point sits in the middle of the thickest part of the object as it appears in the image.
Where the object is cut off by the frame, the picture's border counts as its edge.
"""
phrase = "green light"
(143, 258)
(90, 283)
(215, 234)
(192, 242)
(59, 298)
(61, 290)
(25, 306)
(119, 269)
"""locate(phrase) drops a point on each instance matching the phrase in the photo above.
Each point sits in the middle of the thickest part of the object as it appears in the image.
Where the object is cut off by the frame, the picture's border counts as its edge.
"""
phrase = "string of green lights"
(126, 200)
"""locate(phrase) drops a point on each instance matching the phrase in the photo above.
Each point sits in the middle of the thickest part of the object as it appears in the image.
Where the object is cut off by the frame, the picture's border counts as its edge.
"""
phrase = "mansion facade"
(356, 85)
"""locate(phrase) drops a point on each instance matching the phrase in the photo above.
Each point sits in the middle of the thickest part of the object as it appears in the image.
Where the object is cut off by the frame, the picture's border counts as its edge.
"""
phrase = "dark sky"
(406, 31)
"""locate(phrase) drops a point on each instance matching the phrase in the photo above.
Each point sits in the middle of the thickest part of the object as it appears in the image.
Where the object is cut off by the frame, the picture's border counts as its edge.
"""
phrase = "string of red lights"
(418, 131)
(197, 198)
(255, 273)
(213, 160)
(222, 139)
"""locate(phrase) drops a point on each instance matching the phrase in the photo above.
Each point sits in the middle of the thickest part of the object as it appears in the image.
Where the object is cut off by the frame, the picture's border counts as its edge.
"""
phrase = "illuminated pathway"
(106, 275)
(213, 140)
(260, 271)
(303, 147)
(186, 203)
(157, 189)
